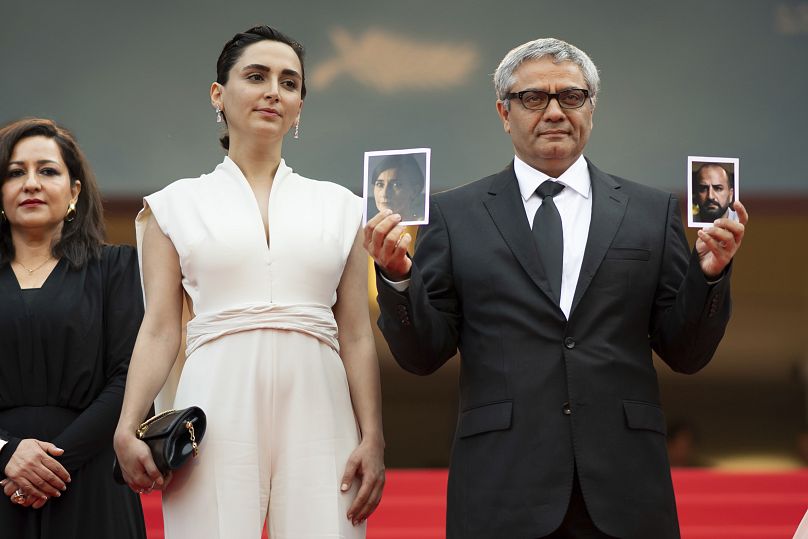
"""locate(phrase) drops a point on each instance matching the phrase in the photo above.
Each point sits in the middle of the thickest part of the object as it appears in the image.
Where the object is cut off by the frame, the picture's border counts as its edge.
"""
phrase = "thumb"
(348, 476)
(51, 449)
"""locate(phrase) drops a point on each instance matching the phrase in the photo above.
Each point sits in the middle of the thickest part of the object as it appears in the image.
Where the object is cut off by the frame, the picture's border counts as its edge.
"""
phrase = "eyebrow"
(265, 69)
(714, 185)
(547, 92)
(40, 162)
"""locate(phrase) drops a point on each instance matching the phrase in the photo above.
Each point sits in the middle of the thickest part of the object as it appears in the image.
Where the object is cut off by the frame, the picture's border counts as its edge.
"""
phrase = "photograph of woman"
(280, 353)
(70, 308)
(397, 184)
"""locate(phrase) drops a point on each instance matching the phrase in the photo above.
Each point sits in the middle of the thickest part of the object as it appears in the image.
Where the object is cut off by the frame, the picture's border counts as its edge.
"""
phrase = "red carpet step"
(711, 504)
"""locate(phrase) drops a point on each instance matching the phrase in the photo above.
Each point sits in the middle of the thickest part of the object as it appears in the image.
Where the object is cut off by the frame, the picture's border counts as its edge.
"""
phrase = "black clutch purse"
(172, 437)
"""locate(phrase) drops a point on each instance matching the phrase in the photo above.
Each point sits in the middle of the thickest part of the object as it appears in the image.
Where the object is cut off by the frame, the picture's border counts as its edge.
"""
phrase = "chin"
(267, 129)
(35, 223)
(709, 217)
(555, 151)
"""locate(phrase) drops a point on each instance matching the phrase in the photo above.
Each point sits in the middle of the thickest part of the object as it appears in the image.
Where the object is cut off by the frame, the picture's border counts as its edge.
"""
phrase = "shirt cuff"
(398, 286)
(7, 449)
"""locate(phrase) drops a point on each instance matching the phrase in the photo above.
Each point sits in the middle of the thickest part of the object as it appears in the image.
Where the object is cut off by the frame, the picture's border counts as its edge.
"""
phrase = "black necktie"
(549, 235)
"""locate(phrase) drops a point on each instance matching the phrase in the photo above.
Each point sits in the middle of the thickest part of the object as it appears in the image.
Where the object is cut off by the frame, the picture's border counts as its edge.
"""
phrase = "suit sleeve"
(421, 325)
(689, 314)
(92, 431)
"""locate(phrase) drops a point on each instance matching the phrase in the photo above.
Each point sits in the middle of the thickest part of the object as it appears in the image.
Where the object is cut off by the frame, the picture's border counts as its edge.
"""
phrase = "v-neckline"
(44, 284)
(265, 230)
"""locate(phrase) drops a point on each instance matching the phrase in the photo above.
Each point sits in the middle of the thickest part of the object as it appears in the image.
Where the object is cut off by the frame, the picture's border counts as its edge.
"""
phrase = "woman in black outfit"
(70, 308)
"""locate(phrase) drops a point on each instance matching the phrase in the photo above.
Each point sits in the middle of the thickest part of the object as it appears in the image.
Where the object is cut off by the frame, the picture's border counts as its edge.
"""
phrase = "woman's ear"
(216, 90)
(75, 189)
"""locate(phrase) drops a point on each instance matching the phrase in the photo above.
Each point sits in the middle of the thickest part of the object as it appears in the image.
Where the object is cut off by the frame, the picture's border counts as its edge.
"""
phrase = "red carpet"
(712, 505)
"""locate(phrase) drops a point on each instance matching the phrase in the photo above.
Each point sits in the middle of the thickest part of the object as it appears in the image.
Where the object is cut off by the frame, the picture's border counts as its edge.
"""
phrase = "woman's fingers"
(38, 504)
(359, 503)
(368, 497)
(145, 476)
(52, 464)
(29, 490)
(47, 482)
(376, 486)
(31, 464)
(9, 486)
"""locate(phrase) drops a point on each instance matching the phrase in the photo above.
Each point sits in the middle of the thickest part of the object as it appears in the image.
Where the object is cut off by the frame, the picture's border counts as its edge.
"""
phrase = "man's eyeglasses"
(574, 98)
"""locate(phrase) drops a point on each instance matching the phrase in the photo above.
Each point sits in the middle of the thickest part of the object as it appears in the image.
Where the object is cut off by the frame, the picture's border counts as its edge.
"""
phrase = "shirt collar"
(576, 177)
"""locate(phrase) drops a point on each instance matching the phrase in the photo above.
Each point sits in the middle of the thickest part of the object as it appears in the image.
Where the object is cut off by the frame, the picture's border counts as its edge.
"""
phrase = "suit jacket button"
(566, 409)
(569, 342)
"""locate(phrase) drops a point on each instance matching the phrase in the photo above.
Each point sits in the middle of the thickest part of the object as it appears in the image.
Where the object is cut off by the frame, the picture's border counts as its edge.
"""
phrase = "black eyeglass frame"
(550, 97)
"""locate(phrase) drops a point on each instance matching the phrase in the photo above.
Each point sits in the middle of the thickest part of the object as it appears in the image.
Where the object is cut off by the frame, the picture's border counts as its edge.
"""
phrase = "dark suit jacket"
(540, 395)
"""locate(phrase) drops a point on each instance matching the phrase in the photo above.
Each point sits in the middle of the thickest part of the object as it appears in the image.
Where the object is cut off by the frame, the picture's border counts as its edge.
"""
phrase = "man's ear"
(504, 115)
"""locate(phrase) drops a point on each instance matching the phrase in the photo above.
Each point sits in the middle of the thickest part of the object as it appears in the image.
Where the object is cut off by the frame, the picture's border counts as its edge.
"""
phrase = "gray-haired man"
(555, 281)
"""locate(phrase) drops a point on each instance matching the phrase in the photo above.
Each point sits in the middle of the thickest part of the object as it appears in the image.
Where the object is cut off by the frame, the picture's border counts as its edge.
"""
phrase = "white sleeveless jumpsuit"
(262, 355)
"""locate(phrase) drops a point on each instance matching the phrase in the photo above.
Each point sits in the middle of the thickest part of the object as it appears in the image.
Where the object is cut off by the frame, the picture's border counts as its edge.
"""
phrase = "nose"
(271, 92)
(554, 112)
(31, 182)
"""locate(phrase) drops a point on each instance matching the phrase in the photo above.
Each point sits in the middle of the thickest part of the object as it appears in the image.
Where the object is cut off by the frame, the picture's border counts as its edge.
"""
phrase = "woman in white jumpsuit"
(279, 352)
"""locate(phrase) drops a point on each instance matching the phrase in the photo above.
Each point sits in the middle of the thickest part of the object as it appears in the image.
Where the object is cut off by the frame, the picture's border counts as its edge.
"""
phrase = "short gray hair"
(560, 51)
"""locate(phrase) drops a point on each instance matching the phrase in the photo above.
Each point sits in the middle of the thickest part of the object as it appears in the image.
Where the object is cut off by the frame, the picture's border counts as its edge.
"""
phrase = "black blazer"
(540, 395)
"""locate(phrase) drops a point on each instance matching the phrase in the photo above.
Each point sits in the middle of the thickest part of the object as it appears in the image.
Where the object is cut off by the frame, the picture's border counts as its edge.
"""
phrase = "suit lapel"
(608, 208)
(504, 204)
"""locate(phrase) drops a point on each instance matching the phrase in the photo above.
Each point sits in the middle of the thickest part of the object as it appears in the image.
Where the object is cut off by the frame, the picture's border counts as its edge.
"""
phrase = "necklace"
(30, 271)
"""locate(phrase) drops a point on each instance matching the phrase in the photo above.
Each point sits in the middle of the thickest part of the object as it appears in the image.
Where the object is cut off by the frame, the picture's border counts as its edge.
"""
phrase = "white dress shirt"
(574, 205)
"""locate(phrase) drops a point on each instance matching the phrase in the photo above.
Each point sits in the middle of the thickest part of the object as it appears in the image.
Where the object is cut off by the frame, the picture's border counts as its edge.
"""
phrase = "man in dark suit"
(555, 281)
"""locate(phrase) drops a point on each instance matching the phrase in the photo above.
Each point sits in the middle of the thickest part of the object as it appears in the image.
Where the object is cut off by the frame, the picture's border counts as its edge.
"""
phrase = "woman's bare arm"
(155, 350)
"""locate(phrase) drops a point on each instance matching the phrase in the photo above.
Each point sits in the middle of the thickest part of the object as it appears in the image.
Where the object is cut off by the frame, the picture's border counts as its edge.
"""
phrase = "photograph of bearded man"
(713, 191)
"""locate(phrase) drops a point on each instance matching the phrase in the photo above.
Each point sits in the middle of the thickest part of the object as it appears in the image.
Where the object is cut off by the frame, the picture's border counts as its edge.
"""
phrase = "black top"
(28, 295)
(64, 356)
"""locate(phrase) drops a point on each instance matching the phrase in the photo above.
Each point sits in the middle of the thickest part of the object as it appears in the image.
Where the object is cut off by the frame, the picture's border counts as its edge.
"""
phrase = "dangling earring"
(219, 118)
(297, 130)
(71, 212)
(2, 216)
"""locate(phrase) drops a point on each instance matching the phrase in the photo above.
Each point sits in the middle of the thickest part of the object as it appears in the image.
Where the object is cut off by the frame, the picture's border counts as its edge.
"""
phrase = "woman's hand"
(137, 464)
(10, 489)
(366, 462)
(35, 472)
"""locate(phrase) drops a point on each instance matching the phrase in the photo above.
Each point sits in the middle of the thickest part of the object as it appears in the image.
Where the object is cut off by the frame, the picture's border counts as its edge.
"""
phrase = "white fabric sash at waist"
(311, 319)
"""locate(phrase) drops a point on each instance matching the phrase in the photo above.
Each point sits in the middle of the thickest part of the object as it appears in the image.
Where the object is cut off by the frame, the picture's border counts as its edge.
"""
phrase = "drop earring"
(219, 117)
(297, 130)
(71, 212)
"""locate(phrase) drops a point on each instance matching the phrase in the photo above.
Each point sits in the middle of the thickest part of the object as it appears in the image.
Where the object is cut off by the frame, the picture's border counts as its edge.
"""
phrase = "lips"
(268, 111)
(32, 202)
